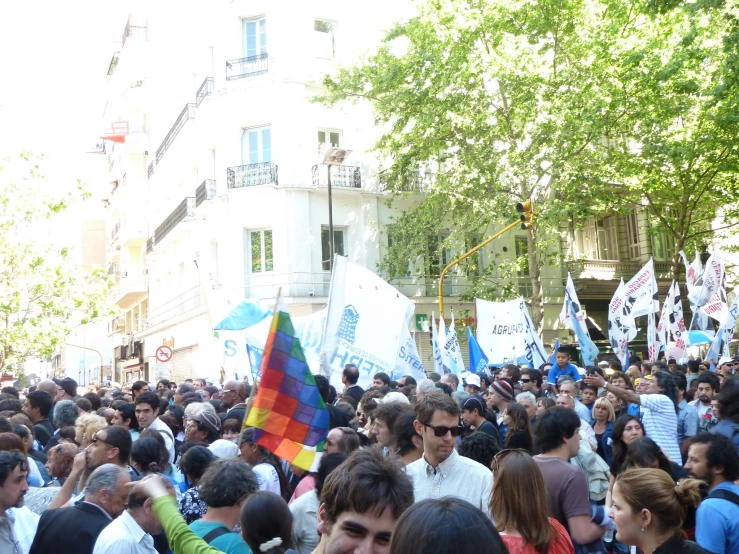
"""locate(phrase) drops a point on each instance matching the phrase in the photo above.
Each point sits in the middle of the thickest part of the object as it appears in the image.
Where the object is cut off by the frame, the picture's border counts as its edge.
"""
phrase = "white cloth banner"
(709, 283)
(365, 322)
(640, 296)
(506, 333)
(674, 326)
(438, 364)
(564, 315)
(720, 345)
(453, 350)
(617, 330)
(236, 355)
(654, 342)
(693, 272)
(408, 362)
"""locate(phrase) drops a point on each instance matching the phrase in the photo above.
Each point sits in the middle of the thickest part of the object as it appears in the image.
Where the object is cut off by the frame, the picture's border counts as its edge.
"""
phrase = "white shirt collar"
(444, 467)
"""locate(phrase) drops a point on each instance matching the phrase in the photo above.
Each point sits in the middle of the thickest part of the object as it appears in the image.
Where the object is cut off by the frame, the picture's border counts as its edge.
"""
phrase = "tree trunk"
(537, 301)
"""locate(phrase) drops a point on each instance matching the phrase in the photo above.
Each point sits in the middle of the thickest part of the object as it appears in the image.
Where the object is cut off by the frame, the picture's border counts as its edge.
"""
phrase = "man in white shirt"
(567, 386)
(586, 431)
(441, 471)
(659, 408)
(147, 414)
(707, 388)
(17, 523)
(131, 532)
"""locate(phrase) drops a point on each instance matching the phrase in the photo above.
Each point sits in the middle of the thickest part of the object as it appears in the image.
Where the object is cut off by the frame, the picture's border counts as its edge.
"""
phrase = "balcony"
(130, 290)
(206, 191)
(246, 67)
(205, 90)
(251, 175)
(114, 269)
(180, 304)
(184, 210)
(150, 245)
(115, 233)
(598, 279)
(342, 176)
(187, 113)
(415, 182)
(133, 229)
(150, 171)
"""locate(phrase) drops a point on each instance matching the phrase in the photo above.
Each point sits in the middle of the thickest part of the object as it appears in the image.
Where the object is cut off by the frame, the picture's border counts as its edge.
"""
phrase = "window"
(256, 146)
(522, 257)
(324, 33)
(632, 227)
(254, 37)
(663, 245)
(600, 239)
(327, 139)
(436, 260)
(472, 265)
(260, 251)
(339, 246)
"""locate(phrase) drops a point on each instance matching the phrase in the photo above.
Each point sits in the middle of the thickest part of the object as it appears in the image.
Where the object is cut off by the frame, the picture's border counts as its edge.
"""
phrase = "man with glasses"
(531, 381)
(233, 398)
(441, 471)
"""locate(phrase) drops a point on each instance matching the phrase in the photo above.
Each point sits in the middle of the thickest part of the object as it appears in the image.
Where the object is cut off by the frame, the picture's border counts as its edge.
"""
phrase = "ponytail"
(688, 493)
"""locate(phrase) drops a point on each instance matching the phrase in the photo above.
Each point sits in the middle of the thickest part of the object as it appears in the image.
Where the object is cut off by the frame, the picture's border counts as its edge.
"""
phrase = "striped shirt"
(660, 423)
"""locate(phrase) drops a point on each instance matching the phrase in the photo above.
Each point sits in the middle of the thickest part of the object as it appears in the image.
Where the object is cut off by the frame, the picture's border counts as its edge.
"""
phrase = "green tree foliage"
(585, 106)
(40, 287)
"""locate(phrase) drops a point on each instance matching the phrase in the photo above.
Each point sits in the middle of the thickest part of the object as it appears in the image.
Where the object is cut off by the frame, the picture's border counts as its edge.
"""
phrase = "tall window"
(632, 227)
(522, 257)
(325, 38)
(436, 260)
(600, 239)
(260, 251)
(472, 264)
(339, 246)
(663, 245)
(256, 146)
(254, 37)
(328, 139)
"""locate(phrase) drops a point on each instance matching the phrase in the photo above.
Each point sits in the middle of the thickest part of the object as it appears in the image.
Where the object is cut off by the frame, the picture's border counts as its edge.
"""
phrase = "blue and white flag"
(478, 359)
(553, 357)
(438, 363)
(453, 353)
(587, 347)
(720, 344)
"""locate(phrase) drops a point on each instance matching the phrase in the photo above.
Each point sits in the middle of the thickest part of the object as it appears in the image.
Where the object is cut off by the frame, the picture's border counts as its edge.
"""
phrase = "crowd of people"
(552, 460)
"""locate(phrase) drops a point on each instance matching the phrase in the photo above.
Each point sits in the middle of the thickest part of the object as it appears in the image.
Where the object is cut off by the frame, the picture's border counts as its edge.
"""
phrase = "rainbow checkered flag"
(288, 413)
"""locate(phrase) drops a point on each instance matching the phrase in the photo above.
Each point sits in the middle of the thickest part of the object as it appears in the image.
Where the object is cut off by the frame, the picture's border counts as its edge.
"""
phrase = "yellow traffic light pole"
(526, 209)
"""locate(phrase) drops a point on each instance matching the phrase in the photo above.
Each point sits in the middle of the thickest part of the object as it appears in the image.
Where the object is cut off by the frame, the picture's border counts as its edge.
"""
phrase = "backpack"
(724, 495)
(215, 533)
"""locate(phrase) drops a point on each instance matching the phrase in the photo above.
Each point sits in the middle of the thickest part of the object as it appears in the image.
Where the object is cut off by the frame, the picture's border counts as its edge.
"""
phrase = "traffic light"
(526, 209)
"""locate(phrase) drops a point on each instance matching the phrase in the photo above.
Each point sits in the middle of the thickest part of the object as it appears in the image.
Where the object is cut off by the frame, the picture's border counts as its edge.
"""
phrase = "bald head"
(48, 386)
(234, 392)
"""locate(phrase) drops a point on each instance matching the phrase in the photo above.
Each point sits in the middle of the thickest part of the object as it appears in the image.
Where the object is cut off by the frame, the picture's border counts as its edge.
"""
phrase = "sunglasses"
(95, 439)
(525, 380)
(442, 430)
(503, 453)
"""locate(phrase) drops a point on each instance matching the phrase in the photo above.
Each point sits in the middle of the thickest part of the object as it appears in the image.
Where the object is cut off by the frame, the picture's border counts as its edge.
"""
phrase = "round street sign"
(164, 354)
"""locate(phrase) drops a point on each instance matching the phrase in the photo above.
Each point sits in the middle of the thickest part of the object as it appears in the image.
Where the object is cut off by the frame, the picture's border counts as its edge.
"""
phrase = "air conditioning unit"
(125, 339)
(118, 324)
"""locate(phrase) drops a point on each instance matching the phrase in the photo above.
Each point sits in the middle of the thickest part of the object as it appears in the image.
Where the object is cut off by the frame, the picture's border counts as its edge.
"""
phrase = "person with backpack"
(713, 459)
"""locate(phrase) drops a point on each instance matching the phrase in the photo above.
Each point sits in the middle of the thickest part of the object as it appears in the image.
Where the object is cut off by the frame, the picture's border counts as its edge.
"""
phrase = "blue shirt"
(687, 421)
(555, 371)
(231, 543)
(717, 523)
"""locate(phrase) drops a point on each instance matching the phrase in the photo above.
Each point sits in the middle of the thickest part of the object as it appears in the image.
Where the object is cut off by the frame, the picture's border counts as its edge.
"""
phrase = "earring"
(642, 529)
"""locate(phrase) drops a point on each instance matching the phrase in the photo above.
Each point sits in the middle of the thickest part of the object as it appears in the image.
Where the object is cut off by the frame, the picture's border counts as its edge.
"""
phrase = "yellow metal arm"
(467, 254)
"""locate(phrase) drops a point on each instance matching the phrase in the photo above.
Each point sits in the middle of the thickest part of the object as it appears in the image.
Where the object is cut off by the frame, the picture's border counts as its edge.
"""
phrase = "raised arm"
(65, 492)
(624, 394)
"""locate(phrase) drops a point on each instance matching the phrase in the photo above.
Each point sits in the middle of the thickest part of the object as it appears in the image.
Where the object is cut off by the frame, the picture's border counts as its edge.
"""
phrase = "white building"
(221, 165)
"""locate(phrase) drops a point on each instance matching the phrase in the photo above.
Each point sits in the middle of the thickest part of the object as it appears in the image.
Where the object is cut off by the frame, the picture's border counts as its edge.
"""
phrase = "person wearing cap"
(472, 384)
(500, 395)
(69, 389)
(203, 426)
(725, 368)
(473, 415)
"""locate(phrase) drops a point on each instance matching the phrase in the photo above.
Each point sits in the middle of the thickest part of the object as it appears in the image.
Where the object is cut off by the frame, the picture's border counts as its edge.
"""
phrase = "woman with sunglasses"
(518, 505)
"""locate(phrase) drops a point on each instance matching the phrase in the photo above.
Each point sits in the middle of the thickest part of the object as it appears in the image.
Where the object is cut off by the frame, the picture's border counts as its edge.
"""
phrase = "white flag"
(693, 272)
(445, 359)
(675, 324)
(454, 350)
(564, 315)
(617, 331)
(640, 296)
(654, 344)
(438, 364)
(709, 282)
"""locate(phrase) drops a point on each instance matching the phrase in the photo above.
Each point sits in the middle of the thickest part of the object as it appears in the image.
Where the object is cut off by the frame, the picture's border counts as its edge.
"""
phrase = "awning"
(117, 131)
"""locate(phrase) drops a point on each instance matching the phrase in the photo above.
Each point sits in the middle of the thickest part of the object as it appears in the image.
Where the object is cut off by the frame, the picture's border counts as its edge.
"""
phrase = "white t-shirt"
(267, 478)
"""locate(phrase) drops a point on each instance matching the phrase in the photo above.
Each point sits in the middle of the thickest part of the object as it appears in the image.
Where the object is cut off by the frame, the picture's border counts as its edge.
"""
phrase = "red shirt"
(561, 543)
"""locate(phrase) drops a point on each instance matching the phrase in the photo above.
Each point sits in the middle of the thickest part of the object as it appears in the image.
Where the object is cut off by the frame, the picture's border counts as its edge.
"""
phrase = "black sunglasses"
(95, 438)
(442, 430)
(525, 380)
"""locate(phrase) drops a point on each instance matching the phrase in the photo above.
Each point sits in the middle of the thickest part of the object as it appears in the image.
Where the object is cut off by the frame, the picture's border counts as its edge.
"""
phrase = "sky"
(54, 58)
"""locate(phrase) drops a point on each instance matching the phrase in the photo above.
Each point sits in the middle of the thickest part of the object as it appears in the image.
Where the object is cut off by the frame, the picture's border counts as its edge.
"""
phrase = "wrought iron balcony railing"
(414, 181)
(116, 230)
(185, 209)
(186, 115)
(252, 175)
(114, 269)
(206, 191)
(609, 270)
(205, 90)
(344, 176)
(150, 245)
(150, 172)
(250, 66)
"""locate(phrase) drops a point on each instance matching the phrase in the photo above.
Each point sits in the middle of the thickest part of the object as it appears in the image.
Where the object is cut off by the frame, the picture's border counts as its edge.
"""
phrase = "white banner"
(506, 333)
(365, 322)
(564, 315)
(438, 364)
(408, 362)
(693, 272)
(709, 283)
(674, 326)
(453, 350)
(640, 296)
(617, 331)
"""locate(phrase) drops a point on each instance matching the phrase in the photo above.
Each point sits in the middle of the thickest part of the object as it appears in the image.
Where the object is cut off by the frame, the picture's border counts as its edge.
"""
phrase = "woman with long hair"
(644, 452)
(264, 464)
(519, 434)
(603, 423)
(543, 403)
(649, 509)
(518, 505)
(269, 523)
(626, 430)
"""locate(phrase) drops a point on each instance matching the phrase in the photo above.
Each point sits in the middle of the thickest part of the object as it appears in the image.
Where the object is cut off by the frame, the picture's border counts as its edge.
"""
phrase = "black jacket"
(72, 529)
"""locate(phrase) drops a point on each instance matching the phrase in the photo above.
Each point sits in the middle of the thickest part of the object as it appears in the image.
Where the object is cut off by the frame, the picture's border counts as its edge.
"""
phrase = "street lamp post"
(333, 157)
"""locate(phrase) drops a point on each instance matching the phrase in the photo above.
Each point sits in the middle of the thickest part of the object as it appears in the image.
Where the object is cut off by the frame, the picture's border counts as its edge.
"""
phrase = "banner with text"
(365, 323)
(506, 333)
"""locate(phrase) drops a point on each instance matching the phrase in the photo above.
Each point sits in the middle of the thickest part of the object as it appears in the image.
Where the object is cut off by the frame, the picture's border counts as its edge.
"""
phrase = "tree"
(675, 147)
(40, 288)
(496, 101)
